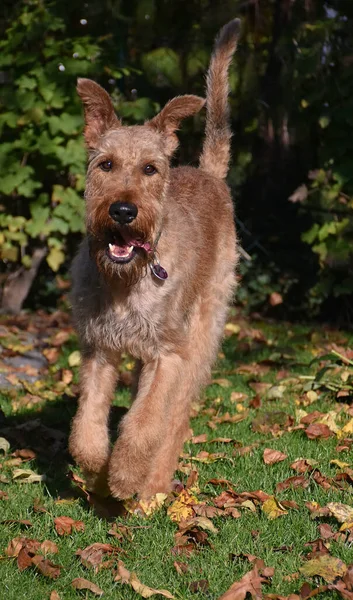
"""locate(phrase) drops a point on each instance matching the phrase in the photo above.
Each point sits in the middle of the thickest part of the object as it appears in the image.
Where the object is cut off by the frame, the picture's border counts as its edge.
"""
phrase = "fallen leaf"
(202, 522)
(273, 509)
(54, 595)
(199, 586)
(249, 584)
(180, 567)
(26, 476)
(83, 584)
(92, 556)
(199, 439)
(303, 465)
(271, 457)
(4, 445)
(49, 547)
(318, 430)
(46, 567)
(74, 359)
(292, 482)
(326, 566)
(65, 525)
(342, 512)
(182, 507)
(130, 578)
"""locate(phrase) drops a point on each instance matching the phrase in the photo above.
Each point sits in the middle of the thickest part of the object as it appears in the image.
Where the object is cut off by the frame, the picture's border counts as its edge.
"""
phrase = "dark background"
(292, 113)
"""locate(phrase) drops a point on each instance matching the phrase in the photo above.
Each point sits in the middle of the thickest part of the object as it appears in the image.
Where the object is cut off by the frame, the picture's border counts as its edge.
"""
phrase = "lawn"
(244, 508)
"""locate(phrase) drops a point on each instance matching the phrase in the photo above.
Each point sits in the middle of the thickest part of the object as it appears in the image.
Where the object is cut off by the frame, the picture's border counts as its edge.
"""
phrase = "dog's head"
(127, 179)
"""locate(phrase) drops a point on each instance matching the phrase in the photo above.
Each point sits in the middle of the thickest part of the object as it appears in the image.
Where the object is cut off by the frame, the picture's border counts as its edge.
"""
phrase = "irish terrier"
(153, 278)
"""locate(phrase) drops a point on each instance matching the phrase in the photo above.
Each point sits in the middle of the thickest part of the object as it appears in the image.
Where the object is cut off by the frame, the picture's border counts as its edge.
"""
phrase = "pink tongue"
(138, 244)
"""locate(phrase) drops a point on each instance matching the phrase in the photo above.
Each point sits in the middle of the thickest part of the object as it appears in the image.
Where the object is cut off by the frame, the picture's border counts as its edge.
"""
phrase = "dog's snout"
(123, 212)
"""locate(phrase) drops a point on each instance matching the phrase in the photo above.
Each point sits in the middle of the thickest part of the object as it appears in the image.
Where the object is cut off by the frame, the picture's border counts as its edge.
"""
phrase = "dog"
(153, 277)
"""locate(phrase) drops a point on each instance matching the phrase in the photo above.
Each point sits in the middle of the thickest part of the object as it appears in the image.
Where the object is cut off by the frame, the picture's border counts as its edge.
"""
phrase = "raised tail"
(216, 149)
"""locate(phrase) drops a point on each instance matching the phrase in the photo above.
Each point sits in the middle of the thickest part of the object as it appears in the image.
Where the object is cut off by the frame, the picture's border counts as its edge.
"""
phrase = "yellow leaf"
(341, 512)
(339, 463)
(74, 359)
(153, 504)
(348, 428)
(326, 566)
(346, 526)
(273, 509)
(130, 578)
(232, 327)
(182, 507)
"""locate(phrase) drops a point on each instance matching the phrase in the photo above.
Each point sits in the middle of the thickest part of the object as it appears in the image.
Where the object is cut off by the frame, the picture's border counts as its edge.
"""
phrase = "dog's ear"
(99, 111)
(168, 120)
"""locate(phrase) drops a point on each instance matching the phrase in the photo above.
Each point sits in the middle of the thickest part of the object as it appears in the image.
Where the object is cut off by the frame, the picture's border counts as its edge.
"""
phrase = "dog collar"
(156, 268)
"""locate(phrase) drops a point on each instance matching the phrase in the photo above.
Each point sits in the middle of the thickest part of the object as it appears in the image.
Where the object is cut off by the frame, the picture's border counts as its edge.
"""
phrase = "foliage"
(291, 108)
(262, 495)
(42, 155)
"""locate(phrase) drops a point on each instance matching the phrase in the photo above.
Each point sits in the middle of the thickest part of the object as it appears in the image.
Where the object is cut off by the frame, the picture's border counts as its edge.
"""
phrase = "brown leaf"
(130, 578)
(275, 299)
(199, 586)
(271, 457)
(23, 522)
(318, 430)
(180, 567)
(249, 584)
(49, 547)
(93, 555)
(302, 465)
(54, 595)
(199, 439)
(326, 566)
(46, 567)
(292, 482)
(65, 525)
(83, 584)
(326, 531)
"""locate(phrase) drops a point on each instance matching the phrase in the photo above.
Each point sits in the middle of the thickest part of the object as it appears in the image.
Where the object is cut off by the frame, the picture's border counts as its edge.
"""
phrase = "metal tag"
(159, 272)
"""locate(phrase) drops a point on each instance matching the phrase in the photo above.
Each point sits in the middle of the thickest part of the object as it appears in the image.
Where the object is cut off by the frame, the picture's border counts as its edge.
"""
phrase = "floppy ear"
(99, 111)
(168, 120)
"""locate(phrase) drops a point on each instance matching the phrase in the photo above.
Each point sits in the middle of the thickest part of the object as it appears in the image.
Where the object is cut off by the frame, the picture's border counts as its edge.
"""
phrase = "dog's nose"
(123, 212)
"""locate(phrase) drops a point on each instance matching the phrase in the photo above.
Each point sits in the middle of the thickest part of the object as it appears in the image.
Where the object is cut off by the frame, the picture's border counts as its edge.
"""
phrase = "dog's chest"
(133, 325)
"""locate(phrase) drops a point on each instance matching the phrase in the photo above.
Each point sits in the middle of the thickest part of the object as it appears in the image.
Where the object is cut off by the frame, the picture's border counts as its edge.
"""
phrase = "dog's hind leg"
(89, 439)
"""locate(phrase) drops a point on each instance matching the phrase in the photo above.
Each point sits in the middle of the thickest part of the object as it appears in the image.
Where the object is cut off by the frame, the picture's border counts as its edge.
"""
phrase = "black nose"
(123, 212)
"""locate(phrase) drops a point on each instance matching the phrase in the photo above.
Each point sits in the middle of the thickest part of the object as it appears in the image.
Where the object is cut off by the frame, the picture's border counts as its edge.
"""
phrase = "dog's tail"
(216, 150)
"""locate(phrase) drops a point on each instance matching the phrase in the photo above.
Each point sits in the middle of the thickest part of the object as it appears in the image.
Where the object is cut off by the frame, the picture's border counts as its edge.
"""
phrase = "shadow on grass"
(45, 431)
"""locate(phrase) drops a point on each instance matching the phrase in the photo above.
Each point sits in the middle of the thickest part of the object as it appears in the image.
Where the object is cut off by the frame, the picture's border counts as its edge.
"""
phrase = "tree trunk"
(19, 283)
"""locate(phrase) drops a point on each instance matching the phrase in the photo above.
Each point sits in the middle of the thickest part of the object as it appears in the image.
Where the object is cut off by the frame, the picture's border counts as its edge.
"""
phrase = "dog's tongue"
(138, 244)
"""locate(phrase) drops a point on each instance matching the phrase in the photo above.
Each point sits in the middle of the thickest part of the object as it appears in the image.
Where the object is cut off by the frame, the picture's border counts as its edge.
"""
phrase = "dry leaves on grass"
(84, 584)
(271, 457)
(26, 550)
(93, 555)
(124, 576)
(65, 525)
(326, 566)
(251, 583)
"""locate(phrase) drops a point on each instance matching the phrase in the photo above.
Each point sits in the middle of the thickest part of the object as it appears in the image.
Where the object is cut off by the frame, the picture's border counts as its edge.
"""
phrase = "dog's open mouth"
(122, 249)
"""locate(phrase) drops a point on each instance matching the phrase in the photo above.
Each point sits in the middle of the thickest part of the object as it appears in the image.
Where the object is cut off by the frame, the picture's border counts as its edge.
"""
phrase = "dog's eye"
(106, 165)
(149, 170)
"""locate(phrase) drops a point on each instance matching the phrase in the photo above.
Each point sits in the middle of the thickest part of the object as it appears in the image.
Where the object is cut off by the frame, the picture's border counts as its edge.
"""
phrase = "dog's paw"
(128, 470)
(97, 483)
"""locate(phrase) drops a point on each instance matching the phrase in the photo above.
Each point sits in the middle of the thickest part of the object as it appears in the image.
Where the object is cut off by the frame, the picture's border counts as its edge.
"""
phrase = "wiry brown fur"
(171, 327)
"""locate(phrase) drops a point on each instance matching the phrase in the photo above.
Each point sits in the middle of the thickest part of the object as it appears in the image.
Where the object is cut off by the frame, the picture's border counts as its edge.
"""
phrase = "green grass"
(285, 346)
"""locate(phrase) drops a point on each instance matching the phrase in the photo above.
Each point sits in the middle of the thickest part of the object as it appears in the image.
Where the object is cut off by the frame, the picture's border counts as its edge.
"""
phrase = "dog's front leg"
(89, 439)
(142, 430)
